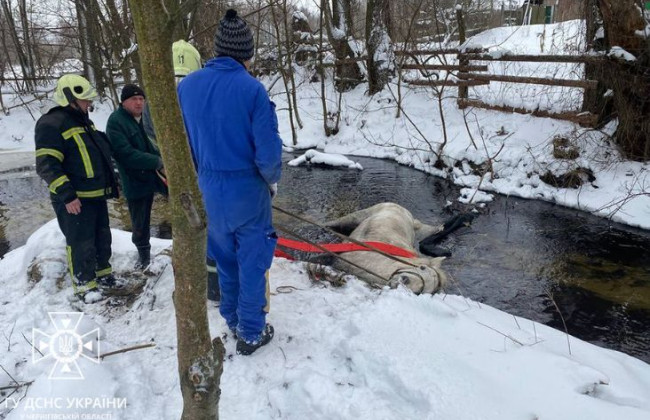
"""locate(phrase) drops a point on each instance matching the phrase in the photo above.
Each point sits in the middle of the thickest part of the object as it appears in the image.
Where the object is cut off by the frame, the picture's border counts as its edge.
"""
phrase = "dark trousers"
(140, 212)
(213, 279)
(88, 239)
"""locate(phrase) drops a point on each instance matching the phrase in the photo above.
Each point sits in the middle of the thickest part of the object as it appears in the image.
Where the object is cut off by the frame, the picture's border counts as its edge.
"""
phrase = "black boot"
(144, 257)
(213, 281)
(110, 283)
(246, 348)
(87, 291)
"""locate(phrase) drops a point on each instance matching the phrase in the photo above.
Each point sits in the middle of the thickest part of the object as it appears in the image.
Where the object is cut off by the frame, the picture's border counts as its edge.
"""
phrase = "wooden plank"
(534, 58)
(448, 67)
(585, 119)
(453, 83)
(440, 51)
(585, 84)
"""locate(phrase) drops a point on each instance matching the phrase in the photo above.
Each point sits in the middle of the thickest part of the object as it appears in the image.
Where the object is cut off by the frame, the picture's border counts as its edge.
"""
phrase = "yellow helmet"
(186, 58)
(70, 87)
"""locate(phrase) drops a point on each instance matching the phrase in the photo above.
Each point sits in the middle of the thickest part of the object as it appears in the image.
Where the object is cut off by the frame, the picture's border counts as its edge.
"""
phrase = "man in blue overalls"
(233, 133)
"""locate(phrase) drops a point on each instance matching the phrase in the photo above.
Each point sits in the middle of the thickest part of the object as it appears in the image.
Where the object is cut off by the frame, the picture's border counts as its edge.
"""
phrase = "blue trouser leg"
(241, 239)
(252, 270)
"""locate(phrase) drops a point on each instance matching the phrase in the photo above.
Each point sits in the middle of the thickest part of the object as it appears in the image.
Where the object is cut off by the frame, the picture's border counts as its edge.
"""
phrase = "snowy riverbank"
(343, 353)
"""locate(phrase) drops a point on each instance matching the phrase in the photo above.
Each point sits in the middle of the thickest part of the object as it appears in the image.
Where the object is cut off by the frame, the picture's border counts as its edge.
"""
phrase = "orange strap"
(342, 247)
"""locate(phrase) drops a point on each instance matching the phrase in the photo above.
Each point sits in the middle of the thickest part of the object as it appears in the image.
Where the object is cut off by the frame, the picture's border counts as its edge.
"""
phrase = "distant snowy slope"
(565, 38)
(557, 38)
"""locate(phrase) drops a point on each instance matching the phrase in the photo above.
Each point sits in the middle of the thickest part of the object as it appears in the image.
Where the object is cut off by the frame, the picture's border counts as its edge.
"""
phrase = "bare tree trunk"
(82, 23)
(407, 41)
(329, 130)
(27, 40)
(200, 361)
(284, 55)
(462, 90)
(629, 80)
(303, 41)
(89, 38)
(22, 59)
(379, 46)
(348, 75)
(594, 100)
(117, 32)
(342, 15)
(288, 42)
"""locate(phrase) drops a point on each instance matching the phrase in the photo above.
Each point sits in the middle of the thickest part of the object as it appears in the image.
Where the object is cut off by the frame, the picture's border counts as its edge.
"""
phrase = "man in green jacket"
(74, 159)
(140, 166)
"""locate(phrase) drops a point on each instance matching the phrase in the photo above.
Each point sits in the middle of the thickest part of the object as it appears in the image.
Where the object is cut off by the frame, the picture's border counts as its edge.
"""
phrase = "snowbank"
(349, 352)
(328, 159)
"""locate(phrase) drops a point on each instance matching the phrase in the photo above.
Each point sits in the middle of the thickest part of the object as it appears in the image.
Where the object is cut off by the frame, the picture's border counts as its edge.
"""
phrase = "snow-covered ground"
(338, 353)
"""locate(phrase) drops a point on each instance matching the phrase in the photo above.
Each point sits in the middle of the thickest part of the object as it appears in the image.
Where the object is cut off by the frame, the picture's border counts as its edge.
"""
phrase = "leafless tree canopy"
(354, 38)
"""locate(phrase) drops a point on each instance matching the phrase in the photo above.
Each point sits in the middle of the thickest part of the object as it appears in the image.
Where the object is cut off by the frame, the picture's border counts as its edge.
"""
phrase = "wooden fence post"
(462, 90)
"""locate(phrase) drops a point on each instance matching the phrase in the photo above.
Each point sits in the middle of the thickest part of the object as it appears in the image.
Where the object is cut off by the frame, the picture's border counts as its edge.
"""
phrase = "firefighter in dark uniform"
(74, 159)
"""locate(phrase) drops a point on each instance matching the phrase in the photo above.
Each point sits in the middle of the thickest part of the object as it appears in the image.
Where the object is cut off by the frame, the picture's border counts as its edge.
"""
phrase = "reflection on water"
(523, 257)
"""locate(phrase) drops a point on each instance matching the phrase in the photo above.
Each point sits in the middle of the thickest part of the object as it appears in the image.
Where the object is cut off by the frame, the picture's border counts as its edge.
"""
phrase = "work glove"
(273, 189)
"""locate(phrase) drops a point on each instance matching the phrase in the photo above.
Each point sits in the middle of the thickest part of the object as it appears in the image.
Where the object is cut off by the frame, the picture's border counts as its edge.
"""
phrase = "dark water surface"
(519, 255)
(523, 257)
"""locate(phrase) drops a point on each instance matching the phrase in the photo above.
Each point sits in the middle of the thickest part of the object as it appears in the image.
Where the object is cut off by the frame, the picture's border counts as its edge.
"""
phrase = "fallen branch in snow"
(16, 386)
(14, 389)
(9, 374)
(138, 347)
(148, 293)
(9, 338)
(516, 322)
(637, 188)
(514, 340)
(32, 346)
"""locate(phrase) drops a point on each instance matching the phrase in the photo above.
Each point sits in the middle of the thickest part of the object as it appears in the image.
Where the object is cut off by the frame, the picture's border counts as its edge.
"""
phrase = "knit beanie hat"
(234, 38)
(129, 91)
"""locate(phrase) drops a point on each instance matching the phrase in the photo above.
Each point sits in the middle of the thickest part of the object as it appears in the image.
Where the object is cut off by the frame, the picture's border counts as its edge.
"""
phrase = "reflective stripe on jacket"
(73, 157)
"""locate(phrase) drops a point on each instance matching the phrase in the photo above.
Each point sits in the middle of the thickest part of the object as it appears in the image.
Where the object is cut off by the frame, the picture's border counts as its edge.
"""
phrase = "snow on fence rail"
(582, 118)
(465, 74)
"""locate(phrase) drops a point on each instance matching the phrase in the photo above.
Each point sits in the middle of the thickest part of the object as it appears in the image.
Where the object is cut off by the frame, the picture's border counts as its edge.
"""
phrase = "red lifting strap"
(342, 247)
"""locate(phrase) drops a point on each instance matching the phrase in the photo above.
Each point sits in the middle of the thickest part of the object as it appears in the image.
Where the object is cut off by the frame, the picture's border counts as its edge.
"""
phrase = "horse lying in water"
(393, 224)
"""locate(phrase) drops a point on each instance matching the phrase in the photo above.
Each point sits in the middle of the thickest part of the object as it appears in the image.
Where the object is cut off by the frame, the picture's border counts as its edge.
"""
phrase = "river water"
(532, 259)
